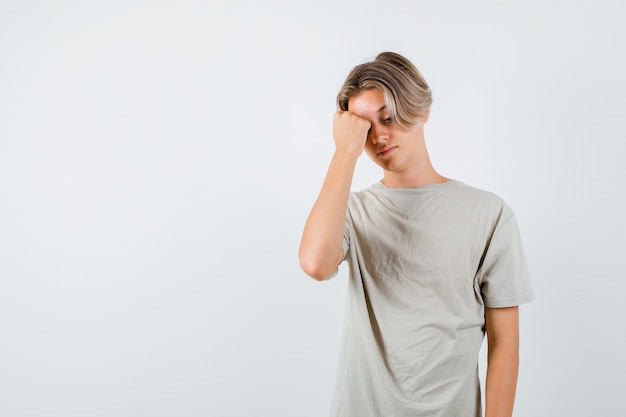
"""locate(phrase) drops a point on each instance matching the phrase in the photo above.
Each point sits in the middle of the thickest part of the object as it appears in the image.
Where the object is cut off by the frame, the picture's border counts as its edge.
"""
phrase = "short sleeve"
(345, 244)
(503, 276)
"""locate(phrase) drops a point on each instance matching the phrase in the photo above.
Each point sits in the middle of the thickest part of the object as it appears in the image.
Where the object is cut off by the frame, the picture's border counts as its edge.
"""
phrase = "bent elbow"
(314, 267)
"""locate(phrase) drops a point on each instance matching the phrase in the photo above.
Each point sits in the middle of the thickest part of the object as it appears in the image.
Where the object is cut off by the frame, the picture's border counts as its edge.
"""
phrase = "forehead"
(367, 102)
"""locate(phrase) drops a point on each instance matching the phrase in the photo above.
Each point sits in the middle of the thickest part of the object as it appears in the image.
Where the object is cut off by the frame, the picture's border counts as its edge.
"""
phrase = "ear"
(425, 117)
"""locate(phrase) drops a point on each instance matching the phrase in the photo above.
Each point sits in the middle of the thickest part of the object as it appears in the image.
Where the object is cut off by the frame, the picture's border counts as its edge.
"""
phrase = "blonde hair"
(407, 95)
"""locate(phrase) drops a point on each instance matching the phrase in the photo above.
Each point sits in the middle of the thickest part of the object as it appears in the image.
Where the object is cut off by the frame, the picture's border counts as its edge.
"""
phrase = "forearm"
(501, 383)
(320, 248)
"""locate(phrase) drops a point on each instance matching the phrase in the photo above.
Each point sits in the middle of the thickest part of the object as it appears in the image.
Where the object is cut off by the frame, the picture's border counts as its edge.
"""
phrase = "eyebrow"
(382, 108)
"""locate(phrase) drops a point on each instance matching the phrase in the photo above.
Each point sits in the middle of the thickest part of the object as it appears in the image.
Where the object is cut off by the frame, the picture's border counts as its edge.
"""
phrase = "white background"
(158, 160)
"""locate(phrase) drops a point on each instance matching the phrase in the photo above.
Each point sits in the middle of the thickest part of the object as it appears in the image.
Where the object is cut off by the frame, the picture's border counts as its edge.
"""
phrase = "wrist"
(346, 155)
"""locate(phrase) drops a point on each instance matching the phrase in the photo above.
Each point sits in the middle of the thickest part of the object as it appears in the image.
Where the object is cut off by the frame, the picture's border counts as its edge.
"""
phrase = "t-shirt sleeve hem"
(509, 302)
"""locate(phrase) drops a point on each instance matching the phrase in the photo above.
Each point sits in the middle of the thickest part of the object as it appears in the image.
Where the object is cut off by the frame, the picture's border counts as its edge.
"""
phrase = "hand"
(350, 133)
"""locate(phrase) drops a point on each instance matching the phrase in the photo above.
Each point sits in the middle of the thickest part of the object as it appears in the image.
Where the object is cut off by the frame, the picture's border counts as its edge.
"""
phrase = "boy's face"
(392, 148)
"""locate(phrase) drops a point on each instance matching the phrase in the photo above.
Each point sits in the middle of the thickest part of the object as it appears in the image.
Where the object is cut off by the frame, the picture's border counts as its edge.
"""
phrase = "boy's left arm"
(502, 325)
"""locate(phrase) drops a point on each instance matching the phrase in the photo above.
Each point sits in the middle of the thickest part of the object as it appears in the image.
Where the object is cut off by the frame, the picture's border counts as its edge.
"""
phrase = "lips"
(387, 151)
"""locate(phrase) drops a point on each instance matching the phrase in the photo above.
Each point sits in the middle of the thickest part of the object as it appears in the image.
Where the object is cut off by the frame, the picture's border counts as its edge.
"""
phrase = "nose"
(379, 134)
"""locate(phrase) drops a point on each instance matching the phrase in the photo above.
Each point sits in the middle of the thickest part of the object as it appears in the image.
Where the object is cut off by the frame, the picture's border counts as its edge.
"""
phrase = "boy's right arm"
(320, 248)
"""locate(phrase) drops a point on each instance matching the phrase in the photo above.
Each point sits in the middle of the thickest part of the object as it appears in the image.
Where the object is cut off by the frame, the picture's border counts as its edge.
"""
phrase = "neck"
(396, 180)
(419, 172)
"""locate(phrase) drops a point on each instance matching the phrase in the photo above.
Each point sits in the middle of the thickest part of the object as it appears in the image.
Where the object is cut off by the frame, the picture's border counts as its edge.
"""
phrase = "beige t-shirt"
(424, 263)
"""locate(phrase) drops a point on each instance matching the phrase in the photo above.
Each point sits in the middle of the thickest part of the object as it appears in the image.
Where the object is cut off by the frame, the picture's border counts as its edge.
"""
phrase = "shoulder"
(365, 195)
(485, 205)
(469, 197)
(484, 196)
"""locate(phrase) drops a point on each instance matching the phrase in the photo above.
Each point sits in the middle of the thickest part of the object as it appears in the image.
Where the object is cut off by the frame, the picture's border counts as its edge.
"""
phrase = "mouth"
(387, 151)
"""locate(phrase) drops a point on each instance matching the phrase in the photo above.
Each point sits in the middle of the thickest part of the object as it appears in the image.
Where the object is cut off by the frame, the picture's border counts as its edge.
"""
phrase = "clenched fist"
(350, 132)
